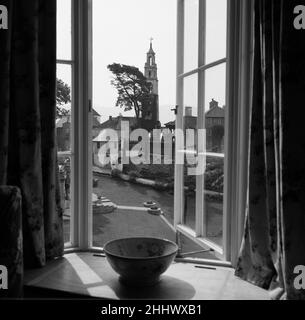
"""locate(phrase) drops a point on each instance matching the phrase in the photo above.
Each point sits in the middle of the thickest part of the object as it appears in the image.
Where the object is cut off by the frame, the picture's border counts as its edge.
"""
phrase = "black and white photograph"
(152, 151)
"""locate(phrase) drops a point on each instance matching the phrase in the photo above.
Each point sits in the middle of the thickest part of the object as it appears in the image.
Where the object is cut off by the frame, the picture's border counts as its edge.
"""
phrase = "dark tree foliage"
(63, 96)
(134, 91)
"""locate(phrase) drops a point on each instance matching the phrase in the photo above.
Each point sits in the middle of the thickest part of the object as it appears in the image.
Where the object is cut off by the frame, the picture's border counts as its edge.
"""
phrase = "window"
(201, 79)
(210, 75)
(65, 112)
(207, 52)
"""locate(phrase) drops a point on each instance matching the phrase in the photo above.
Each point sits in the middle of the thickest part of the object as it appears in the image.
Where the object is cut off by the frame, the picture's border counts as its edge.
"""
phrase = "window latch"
(175, 110)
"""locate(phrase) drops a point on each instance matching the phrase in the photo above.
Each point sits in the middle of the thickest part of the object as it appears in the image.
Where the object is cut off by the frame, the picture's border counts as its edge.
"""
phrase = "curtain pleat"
(27, 133)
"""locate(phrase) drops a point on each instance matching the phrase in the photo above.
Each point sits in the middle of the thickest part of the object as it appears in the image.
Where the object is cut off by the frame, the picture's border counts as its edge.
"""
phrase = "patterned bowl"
(140, 261)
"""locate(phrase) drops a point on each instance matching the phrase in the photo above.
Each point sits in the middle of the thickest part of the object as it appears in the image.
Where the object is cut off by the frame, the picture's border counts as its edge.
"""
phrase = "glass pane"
(191, 20)
(63, 108)
(216, 29)
(215, 93)
(63, 138)
(121, 190)
(190, 112)
(64, 30)
(64, 165)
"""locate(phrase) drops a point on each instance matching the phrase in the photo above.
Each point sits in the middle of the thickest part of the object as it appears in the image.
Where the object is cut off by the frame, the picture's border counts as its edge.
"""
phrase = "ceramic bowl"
(140, 261)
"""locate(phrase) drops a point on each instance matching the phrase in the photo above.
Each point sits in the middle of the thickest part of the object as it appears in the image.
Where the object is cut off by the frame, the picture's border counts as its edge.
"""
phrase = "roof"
(171, 123)
(215, 112)
(151, 49)
(114, 122)
(95, 113)
(67, 119)
(95, 123)
(102, 136)
(190, 122)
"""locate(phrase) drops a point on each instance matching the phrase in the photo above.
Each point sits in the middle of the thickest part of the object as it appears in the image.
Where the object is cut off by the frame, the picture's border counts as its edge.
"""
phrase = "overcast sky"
(121, 33)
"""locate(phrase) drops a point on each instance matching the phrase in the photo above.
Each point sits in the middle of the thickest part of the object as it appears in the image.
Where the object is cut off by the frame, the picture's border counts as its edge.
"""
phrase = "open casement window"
(72, 125)
(201, 100)
(209, 203)
(65, 114)
(213, 72)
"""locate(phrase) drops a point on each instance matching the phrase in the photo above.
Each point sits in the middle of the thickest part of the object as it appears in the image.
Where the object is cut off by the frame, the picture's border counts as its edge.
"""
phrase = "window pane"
(64, 166)
(215, 127)
(63, 115)
(216, 29)
(191, 19)
(64, 30)
(120, 190)
(190, 108)
(63, 137)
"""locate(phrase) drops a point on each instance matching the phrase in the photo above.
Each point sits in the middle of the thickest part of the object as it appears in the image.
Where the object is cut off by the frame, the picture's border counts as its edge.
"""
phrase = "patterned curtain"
(274, 238)
(27, 123)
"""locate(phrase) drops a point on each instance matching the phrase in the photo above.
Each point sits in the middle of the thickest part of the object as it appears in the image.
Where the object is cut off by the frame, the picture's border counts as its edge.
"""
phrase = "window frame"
(238, 69)
(239, 51)
(71, 154)
(199, 234)
(81, 111)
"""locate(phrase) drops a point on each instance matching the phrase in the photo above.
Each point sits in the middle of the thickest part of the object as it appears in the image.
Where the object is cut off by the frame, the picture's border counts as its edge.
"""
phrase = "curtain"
(27, 124)
(274, 236)
(11, 251)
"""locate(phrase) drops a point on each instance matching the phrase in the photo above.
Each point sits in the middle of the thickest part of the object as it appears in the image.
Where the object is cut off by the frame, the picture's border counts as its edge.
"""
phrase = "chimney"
(213, 104)
(188, 111)
(110, 117)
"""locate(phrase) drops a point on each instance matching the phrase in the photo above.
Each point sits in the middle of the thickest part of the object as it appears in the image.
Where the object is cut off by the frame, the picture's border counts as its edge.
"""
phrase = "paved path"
(124, 193)
(132, 219)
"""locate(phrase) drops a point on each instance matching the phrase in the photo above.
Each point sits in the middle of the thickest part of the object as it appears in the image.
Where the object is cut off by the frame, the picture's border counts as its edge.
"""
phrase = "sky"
(121, 33)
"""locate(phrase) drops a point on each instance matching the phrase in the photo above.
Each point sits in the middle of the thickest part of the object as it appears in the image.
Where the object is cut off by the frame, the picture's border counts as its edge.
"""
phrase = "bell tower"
(151, 74)
(151, 70)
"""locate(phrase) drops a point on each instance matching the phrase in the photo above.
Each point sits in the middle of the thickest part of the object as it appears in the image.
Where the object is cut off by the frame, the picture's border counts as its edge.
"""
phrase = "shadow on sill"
(32, 292)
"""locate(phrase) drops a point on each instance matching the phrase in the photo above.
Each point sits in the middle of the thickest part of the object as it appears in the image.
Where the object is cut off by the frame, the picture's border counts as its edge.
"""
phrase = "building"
(115, 123)
(96, 123)
(151, 73)
(214, 125)
(63, 130)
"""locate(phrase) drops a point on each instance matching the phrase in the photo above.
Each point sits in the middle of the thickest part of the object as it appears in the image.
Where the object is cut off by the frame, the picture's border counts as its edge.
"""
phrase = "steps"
(102, 205)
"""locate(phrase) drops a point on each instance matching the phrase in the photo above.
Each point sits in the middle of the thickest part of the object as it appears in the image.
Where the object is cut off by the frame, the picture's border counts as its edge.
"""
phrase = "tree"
(63, 96)
(134, 91)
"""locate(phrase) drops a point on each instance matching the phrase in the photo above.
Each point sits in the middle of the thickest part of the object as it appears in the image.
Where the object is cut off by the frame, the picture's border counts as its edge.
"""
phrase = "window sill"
(89, 275)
